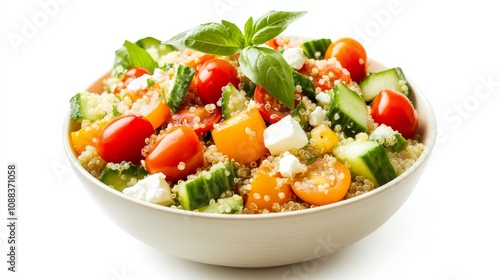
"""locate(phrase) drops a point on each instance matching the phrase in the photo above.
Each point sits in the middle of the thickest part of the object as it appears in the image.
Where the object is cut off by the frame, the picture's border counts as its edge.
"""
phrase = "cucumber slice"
(150, 42)
(209, 185)
(368, 159)
(348, 110)
(316, 48)
(393, 78)
(233, 101)
(393, 141)
(180, 86)
(305, 83)
(122, 175)
(229, 205)
(92, 106)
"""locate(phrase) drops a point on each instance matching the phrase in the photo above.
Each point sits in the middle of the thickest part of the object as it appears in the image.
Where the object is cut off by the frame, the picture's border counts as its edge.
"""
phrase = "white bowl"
(260, 240)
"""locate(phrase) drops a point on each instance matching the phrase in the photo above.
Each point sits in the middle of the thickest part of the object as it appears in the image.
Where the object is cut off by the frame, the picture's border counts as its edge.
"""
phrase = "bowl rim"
(428, 138)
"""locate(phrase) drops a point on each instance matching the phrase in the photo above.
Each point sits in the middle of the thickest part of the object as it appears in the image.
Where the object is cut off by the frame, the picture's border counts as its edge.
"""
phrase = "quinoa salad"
(219, 119)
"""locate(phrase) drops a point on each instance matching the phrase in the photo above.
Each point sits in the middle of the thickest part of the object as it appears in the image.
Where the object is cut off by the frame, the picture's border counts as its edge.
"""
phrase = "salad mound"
(223, 120)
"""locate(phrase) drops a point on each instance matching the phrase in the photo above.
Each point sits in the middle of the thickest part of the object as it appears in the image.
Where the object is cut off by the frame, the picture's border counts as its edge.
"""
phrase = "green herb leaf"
(213, 38)
(268, 68)
(130, 55)
(272, 24)
(248, 29)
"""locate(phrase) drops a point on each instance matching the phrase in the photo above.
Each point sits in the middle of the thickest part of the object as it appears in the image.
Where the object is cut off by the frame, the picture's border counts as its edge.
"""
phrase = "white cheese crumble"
(152, 188)
(289, 165)
(284, 135)
(139, 83)
(323, 99)
(317, 116)
(295, 57)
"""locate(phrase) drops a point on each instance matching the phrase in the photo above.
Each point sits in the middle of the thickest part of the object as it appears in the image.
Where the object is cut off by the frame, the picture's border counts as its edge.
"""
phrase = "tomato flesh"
(351, 54)
(269, 107)
(123, 138)
(324, 73)
(212, 76)
(198, 118)
(394, 109)
(177, 154)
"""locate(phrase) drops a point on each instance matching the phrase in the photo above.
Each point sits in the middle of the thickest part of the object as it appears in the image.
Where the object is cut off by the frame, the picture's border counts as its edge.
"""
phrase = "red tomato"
(394, 109)
(198, 118)
(132, 73)
(269, 107)
(351, 54)
(177, 154)
(213, 75)
(123, 138)
(324, 73)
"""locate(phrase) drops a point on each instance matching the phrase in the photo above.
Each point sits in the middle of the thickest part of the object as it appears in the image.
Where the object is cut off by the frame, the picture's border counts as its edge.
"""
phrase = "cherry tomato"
(324, 73)
(132, 73)
(123, 138)
(177, 154)
(269, 107)
(351, 54)
(198, 118)
(394, 109)
(213, 75)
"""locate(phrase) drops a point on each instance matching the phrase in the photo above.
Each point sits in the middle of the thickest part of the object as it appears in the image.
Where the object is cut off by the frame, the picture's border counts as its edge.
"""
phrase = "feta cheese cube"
(152, 188)
(317, 116)
(295, 57)
(323, 99)
(284, 135)
(139, 83)
(289, 165)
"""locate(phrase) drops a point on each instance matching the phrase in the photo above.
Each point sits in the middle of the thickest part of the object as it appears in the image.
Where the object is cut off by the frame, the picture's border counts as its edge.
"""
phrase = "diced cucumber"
(306, 84)
(390, 139)
(316, 48)
(92, 106)
(233, 101)
(180, 86)
(150, 42)
(348, 110)
(393, 78)
(122, 175)
(211, 184)
(368, 159)
(229, 205)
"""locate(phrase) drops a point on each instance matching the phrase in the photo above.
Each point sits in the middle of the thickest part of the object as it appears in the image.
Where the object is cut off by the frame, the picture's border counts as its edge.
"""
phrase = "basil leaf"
(267, 68)
(131, 55)
(214, 38)
(248, 29)
(272, 24)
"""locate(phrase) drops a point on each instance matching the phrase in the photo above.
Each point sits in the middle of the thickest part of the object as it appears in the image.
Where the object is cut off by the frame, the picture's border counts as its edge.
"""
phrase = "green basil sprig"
(263, 66)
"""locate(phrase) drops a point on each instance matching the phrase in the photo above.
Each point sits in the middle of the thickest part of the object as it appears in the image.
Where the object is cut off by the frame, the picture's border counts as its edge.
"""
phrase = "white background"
(447, 230)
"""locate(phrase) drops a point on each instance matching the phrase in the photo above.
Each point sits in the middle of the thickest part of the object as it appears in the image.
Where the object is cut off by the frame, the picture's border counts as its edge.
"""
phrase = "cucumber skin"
(76, 108)
(234, 202)
(349, 127)
(311, 47)
(111, 177)
(182, 79)
(306, 84)
(367, 84)
(198, 192)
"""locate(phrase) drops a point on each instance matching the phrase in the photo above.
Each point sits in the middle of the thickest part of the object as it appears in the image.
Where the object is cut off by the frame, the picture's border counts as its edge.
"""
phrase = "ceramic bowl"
(260, 240)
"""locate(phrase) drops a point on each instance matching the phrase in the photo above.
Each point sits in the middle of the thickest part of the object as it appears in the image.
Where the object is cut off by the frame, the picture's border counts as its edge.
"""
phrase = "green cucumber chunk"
(92, 106)
(232, 101)
(229, 205)
(316, 48)
(180, 86)
(150, 42)
(348, 110)
(198, 192)
(368, 159)
(393, 78)
(305, 83)
(392, 140)
(122, 175)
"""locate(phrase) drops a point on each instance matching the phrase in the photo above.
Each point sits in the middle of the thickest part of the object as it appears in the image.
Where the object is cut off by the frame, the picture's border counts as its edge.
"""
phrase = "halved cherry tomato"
(198, 118)
(324, 73)
(123, 138)
(323, 183)
(265, 191)
(177, 153)
(394, 109)
(351, 54)
(132, 73)
(213, 75)
(270, 108)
